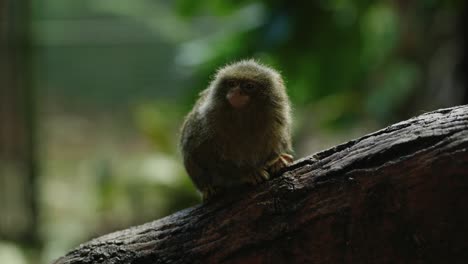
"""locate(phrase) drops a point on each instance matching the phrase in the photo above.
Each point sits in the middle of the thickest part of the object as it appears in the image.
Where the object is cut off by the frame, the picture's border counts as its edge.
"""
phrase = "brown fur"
(223, 147)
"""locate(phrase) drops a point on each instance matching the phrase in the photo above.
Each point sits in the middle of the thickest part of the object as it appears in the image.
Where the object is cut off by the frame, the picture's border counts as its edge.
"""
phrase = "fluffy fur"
(223, 146)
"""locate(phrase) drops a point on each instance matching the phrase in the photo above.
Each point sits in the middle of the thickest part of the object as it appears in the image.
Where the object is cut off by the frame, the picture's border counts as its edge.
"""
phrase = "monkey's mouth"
(237, 98)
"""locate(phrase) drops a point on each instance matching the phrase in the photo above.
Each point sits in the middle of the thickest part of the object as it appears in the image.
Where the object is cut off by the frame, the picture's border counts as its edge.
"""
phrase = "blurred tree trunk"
(18, 165)
(394, 196)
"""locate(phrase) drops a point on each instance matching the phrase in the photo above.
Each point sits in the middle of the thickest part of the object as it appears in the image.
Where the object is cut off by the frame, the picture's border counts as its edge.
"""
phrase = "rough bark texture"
(398, 195)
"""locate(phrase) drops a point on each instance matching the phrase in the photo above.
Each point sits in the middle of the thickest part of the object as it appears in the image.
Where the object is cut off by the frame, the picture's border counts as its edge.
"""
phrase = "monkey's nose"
(237, 98)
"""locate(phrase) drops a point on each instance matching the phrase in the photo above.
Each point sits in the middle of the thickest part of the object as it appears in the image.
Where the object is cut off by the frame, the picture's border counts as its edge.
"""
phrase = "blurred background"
(93, 92)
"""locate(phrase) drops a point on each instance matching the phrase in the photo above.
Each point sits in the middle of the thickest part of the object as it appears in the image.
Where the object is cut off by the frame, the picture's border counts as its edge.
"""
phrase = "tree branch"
(394, 196)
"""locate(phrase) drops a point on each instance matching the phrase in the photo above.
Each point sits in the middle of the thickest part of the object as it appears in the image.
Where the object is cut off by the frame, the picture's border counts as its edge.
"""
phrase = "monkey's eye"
(231, 83)
(249, 86)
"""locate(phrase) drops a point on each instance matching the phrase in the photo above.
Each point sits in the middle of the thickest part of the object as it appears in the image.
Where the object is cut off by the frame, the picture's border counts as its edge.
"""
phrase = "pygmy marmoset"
(238, 132)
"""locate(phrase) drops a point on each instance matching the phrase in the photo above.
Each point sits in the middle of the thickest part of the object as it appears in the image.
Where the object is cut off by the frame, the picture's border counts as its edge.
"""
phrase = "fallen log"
(398, 195)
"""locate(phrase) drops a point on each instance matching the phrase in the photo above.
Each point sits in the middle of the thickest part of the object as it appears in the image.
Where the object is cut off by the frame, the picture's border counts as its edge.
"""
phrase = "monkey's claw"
(276, 164)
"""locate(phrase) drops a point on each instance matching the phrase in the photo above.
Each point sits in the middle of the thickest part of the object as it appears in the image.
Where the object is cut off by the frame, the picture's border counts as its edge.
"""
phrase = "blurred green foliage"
(328, 51)
(115, 78)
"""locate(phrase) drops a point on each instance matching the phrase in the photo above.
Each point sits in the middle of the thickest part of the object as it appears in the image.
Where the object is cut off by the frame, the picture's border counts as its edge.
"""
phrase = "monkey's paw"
(257, 177)
(209, 192)
(278, 163)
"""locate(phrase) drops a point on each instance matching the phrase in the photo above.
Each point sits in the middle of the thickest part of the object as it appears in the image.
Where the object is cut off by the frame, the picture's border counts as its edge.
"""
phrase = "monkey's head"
(247, 85)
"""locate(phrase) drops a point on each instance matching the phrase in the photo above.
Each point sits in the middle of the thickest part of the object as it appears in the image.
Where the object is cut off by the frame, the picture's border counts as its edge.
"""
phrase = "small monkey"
(238, 132)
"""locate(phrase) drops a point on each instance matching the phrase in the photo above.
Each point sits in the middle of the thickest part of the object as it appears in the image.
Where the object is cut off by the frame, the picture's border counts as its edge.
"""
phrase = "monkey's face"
(247, 85)
(239, 92)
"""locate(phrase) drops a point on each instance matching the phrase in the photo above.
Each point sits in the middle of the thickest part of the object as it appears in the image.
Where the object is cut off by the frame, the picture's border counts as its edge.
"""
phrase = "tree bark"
(398, 195)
